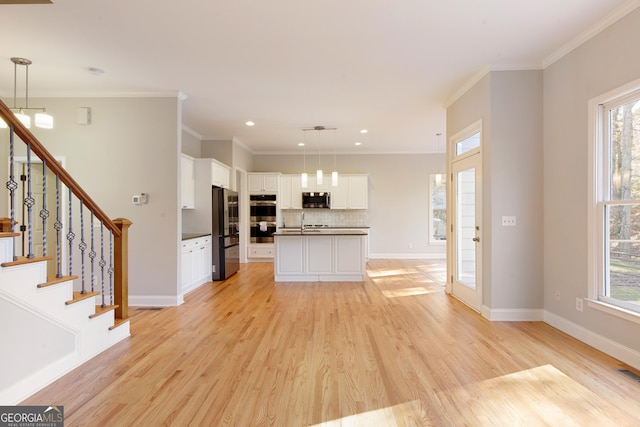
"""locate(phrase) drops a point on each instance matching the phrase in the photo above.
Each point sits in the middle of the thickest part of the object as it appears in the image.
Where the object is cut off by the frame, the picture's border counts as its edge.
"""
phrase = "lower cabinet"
(261, 251)
(196, 262)
(320, 258)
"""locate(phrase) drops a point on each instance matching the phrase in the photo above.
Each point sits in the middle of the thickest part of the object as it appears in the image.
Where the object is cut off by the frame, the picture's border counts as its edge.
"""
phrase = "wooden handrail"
(52, 164)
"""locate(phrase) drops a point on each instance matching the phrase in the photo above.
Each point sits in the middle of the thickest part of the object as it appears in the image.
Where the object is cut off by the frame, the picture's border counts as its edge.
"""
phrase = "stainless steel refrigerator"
(225, 233)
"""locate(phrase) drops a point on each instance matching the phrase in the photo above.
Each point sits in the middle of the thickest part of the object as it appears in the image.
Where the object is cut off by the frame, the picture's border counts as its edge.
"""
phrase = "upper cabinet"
(313, 186)
(187, 182)
(260, 183)
(352, 192)
(290, 196)
(220, 174)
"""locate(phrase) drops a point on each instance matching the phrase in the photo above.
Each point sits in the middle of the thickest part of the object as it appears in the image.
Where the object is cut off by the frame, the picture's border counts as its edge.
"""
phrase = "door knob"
(476, 239)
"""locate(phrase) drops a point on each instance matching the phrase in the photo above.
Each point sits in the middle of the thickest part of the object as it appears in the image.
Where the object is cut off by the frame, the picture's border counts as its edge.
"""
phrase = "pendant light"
(303, 177)
(438, 174)
(319, 170)
(334, 174)
(42, 119)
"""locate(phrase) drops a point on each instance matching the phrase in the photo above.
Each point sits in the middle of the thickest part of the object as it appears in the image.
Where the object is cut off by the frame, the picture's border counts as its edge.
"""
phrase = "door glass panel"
(466, 223)
(468, 144)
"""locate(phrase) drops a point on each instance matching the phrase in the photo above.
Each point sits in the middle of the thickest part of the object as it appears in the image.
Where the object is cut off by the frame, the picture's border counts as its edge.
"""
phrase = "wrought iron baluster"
(92, 257)
(58, 226)
(82, 246)
(44, 213)
(70, 234)
(12, 186)
(29, 202)
(102, 262)
(110, 270)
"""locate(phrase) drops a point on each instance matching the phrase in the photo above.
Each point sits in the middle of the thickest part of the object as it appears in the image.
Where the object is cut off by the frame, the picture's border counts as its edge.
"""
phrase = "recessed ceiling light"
(358, 143)
(249, 123)
(364, 131)
(300, 144)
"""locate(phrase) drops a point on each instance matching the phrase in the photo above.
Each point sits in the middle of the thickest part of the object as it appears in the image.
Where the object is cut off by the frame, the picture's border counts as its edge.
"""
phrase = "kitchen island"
(320, 255)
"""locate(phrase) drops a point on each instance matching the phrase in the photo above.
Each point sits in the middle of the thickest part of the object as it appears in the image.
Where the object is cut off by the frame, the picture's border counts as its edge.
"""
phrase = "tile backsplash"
(330, 217)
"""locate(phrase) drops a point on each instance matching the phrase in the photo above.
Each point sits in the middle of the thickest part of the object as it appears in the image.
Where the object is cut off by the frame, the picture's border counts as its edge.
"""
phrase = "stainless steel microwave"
(316, 200)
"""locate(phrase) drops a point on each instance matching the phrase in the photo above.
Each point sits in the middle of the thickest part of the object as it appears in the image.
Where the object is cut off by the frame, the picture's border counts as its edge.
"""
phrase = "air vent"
(629, 374)
(150, 308)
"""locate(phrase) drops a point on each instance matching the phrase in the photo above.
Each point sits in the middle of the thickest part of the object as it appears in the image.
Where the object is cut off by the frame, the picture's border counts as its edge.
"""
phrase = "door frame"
(452, 158)
(19, 162)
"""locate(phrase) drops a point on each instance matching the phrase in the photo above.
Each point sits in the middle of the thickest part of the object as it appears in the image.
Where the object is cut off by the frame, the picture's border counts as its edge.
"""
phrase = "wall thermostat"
(140, 199)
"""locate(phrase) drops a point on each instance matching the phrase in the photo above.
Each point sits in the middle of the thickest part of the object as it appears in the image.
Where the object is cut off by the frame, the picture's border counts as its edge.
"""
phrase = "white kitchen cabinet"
(220, 174)
(196, 262)
(187, 182)
(352, 192)
(290, 196)
(320, 257)
(267, 183)
(262, 251)
(313, 186)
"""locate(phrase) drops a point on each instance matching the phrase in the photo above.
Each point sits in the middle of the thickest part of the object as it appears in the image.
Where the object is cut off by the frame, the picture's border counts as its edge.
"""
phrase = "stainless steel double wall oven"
(263, 217)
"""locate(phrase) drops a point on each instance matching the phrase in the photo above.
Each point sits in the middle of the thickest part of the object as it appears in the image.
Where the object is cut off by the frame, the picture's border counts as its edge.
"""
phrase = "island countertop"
(320, 232)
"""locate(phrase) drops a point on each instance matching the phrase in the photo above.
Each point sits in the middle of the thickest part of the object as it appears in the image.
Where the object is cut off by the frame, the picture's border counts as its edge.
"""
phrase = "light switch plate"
(508, 221)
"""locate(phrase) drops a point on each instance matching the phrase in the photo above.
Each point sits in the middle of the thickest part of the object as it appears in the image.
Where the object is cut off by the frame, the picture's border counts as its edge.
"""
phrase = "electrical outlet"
(579, 303)
(508, 221)
(410, 245)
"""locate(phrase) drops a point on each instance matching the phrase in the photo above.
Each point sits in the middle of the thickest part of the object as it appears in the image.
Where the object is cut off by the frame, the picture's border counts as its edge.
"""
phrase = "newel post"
(121, 268)
(5, 225)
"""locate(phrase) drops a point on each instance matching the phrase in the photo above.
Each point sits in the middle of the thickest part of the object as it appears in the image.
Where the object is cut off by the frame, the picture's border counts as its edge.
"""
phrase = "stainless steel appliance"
(262, 218)
(225, 233)
(316, 200)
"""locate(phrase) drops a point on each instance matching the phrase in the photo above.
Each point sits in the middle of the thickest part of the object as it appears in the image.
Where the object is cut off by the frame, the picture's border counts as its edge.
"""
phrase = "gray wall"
(222, 151)
(607, 61)
(509, 103)
(132, 146)
(191, 144)
(398, 195)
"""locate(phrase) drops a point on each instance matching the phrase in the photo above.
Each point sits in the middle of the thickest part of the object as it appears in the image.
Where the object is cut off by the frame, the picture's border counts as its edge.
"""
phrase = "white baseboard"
(407, 256)
(512, 314)
(624, 354)
(155, 300)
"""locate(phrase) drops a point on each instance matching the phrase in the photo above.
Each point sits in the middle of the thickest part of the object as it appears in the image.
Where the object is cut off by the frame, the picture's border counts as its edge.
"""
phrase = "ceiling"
(386, 66)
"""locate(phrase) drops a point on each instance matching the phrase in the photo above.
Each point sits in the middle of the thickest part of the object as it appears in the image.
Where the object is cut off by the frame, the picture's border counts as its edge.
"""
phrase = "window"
(617, 201)
(437, 208)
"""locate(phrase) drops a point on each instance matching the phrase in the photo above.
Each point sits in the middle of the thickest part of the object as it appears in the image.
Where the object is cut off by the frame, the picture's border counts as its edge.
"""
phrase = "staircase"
(51, 325)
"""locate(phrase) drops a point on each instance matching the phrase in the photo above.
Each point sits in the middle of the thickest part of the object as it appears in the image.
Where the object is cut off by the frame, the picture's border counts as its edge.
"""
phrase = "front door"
(466, 219)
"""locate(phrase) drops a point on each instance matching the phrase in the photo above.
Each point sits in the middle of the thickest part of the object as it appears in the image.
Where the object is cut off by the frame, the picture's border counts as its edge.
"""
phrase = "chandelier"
(42, 119)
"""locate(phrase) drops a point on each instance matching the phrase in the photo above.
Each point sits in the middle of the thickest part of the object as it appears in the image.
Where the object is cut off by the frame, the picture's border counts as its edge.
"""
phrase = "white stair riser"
(18, 285)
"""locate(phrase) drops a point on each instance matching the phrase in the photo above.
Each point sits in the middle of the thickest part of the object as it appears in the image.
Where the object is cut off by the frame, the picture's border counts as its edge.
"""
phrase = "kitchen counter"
(320, 232)
(187, 236)
(320, 255)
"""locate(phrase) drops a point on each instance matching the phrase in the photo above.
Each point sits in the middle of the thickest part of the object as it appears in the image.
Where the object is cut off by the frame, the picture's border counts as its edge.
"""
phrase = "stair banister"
(118, 228)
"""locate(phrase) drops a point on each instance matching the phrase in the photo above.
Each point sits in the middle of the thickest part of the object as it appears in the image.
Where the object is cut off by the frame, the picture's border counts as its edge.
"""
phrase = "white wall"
(605, 62)
(398, 196)
(509, 103)
(132, 146)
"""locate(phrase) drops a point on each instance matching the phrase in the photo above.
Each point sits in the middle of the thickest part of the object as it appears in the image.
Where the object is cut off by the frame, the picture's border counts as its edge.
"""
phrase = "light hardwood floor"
(392, 351)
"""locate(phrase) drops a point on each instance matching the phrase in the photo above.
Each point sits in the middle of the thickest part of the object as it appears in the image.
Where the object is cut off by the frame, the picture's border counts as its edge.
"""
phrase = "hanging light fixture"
(42, 119)
(303, 177)
(438, 174)
(319, 170)
(334, 174)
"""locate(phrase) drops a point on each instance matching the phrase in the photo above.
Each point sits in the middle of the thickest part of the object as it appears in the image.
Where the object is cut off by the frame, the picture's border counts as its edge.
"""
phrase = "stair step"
(8, 234)
(118, 322)
(79, 296)
(24, 260)
(55, 280)
(102, 310)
